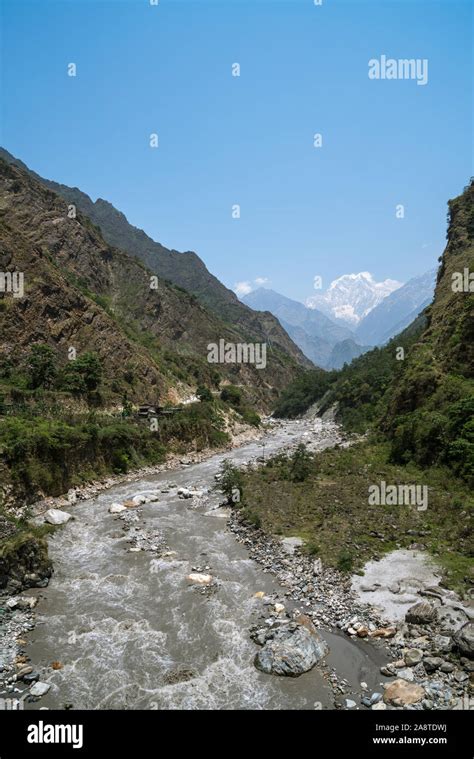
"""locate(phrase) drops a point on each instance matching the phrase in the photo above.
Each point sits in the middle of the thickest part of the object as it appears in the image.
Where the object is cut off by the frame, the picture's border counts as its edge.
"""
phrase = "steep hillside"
(82, 293)
(430, 409)
(421, 398)
(345, 352)
(183, 269)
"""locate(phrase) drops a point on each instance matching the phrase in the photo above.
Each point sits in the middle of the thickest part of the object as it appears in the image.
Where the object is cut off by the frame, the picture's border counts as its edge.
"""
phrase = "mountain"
(311, 330)
(185, 270)
(421, 400)
(82, 293)
(351, 297)
(397, 310)
(345, 352)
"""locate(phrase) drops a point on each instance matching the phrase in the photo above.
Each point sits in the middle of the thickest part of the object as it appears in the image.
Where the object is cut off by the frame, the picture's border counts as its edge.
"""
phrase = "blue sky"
(248, 140)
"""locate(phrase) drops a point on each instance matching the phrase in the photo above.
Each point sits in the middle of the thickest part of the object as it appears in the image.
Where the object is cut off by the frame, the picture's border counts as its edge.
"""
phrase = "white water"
(120, 622)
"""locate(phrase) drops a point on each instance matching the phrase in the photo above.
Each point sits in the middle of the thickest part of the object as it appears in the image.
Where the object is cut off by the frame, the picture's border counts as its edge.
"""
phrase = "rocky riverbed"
(155, 604)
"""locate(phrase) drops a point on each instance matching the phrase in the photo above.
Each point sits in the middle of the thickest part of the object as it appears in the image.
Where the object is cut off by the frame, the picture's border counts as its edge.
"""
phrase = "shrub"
(41, 367)
(345, 561)
(232, 395)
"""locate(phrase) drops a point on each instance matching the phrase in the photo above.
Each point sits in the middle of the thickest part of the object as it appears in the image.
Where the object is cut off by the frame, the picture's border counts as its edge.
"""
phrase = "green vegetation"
(235, 398)
(358, 389)
(330, 508)
(51, 455)
(231, 482)
(418, 390)
(415, 399)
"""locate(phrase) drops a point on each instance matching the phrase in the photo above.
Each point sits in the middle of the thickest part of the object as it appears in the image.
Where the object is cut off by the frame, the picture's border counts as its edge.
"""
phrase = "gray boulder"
(422, 613)
(464, 640)
(290, 649)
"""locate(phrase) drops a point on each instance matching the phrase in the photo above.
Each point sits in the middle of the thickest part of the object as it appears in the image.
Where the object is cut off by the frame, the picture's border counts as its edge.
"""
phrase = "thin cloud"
(242, 288)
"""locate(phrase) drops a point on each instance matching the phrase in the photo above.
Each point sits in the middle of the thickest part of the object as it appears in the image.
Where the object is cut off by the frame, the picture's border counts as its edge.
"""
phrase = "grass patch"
(331, 512)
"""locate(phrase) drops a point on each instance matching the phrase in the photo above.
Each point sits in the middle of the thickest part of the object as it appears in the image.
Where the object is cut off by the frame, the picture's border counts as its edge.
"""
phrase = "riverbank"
(122, 619)
(313, 533)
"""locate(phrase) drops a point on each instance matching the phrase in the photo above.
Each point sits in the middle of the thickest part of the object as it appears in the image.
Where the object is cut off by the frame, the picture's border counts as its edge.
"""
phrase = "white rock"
(117, 508)
(279, 608)
(350, 704)
(39, 689)
(199, 578)
(72, 496)
(380, 706)
(317, 567)
(289, 545)
(139, 499)
(55, 516)
(22, 602)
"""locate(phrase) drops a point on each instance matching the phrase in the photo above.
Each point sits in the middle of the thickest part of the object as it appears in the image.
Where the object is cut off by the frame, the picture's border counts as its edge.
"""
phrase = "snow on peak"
(352, 296)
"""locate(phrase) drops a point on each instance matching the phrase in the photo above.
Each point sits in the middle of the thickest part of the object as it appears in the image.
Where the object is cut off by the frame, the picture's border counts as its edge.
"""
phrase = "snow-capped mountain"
(351, 297)
(327, 344)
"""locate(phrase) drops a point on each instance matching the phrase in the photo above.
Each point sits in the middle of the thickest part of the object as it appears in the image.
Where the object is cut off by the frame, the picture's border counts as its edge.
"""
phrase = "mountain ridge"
(186, 270)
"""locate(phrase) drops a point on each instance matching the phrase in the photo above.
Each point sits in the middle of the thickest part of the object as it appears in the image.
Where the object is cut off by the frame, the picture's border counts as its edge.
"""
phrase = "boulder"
(383, 632)
(55, 516)
(40, 689)
(422, 613)
(451, 619)
(403, 693)
(441, 644)
(317, 567)
(432, 663)
(117, 508)
(200, 579)
(413, 657)
(406, 674)
(464, 640)
(290, 649)
(139, 499)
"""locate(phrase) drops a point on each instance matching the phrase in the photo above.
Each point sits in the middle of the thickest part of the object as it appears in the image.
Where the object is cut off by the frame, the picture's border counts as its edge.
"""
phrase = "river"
(122, 623)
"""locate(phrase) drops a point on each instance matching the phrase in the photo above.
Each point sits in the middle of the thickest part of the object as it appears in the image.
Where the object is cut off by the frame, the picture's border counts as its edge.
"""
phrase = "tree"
(300, 464)
(203, 393)
(232, 395)
(41, 367)
(83, 375)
